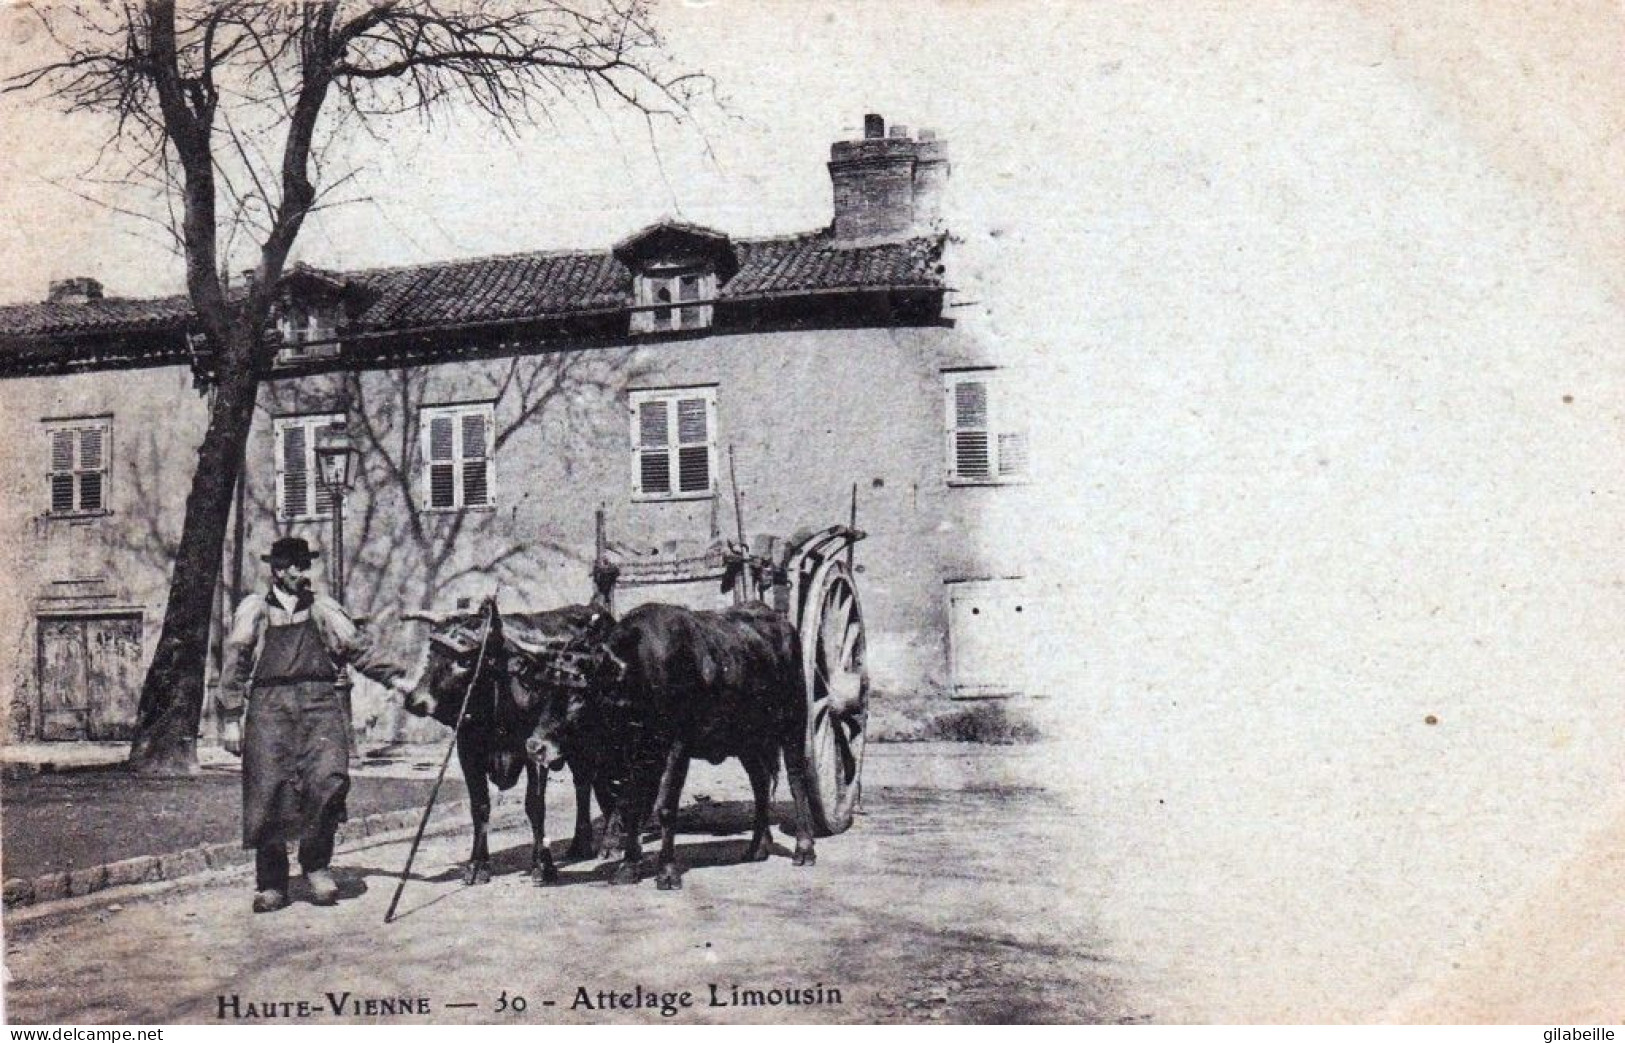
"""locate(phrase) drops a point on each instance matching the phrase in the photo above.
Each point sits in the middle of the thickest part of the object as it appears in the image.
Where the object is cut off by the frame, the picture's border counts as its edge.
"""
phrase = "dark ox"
(512, 691)
(672, 684)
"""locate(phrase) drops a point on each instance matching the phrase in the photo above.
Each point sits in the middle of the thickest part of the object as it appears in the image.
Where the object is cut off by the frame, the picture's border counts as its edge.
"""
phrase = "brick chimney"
(81, 289)
(887, 186)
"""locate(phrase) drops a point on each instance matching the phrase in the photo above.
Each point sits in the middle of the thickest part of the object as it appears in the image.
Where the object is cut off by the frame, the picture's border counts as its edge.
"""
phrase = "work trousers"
(271, 861)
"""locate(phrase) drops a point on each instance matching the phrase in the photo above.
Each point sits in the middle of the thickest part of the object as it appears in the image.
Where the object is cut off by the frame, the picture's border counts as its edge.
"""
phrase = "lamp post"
(335, 458)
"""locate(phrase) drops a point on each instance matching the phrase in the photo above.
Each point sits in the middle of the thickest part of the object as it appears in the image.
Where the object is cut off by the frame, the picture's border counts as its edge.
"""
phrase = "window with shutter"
(79, 455)
(673, 443)
(985, 443)
(457, 456)
(681, 293)
(300, 494)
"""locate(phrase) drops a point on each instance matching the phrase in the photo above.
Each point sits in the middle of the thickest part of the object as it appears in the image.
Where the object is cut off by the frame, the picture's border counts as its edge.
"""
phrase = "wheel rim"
(837, 680)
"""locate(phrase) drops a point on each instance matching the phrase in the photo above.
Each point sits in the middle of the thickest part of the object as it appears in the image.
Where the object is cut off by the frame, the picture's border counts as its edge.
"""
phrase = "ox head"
(559, 679)
(555, 724)
(450, 660)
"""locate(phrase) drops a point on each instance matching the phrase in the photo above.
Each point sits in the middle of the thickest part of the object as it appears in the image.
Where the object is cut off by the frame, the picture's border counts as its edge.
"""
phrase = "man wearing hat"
(285, 654)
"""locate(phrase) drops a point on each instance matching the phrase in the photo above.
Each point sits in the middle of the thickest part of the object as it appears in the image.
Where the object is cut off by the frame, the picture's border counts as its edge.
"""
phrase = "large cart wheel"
(836, 679)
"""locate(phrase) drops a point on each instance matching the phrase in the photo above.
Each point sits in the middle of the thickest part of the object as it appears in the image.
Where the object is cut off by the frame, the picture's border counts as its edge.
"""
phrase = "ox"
(671, 684)
(515, 683)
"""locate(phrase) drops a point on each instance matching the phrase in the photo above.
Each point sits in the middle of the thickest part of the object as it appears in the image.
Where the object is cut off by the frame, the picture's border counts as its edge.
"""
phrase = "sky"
(1320, 306)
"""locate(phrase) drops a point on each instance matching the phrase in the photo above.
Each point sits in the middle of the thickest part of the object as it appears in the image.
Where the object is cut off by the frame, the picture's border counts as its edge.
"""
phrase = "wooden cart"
(809, 578)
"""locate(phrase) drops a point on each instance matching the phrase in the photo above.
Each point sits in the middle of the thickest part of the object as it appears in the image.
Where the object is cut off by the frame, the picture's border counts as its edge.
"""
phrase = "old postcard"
(983, 511)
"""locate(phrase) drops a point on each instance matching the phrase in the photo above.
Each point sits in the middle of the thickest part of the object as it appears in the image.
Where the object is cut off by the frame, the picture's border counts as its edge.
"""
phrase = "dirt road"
(949, 900)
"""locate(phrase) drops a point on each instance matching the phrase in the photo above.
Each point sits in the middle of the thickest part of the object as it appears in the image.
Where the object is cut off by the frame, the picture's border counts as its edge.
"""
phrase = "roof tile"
(526, 286)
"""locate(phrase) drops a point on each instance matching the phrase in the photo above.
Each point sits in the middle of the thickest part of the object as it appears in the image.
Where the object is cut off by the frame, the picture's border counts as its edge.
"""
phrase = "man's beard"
(299, 587)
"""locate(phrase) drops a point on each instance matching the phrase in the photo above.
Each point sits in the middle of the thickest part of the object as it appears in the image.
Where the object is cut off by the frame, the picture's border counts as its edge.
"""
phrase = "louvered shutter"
(476, 460)
(61, 474)
(1012, 455)
(972, 454)
(970, 404)
(92, 463)
(61, 451)
(971, 458)
(440, 461)
(653, 447)
(294, 478)
(693, 445)
(323, 496)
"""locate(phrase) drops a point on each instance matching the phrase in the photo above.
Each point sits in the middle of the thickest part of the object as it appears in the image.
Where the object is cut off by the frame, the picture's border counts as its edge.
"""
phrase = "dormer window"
(307, 330)
(676, 270)
(672, 300)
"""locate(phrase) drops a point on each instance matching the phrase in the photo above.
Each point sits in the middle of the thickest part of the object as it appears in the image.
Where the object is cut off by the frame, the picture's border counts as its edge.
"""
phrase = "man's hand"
(232, 737)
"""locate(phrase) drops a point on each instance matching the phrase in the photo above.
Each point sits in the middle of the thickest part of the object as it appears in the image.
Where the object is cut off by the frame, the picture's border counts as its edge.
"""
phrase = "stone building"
(500, 405)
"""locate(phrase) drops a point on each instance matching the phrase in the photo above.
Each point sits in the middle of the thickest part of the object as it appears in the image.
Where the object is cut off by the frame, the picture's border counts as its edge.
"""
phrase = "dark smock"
(296, 756)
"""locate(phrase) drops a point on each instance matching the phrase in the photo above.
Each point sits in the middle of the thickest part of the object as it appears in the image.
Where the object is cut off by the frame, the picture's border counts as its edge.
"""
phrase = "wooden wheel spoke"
(827, 629)
(849, 648)
(843, 611)
(849, 760)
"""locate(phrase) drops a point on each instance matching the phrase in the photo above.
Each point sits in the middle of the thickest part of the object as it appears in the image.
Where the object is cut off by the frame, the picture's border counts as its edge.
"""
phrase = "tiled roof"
(526, 286)
(112, 315)
(806, 263)
(492, 288)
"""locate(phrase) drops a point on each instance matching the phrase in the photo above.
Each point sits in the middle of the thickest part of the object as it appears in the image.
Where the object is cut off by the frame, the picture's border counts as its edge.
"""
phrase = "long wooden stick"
(462, 712)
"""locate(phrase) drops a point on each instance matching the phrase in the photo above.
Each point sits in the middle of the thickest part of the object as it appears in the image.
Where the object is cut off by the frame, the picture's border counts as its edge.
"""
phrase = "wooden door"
(64, 684)
(89, 677)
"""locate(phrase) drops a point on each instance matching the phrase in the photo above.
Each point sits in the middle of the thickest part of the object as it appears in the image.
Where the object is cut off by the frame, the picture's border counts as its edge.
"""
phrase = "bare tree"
(227, 104)
(402, 552)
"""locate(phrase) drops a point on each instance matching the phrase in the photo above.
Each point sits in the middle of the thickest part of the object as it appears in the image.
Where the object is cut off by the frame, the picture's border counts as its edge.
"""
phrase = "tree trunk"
(172, 696)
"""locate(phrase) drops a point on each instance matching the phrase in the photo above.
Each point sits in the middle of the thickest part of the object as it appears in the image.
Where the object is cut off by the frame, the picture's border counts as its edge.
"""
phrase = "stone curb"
(20, 892)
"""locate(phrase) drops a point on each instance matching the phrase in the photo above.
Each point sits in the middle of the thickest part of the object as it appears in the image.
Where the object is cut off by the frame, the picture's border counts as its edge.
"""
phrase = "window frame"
(312, 423)
(996, 426)
(77, 425)
(636, 398)
(317, 336)
(459, 459)
(649, 311)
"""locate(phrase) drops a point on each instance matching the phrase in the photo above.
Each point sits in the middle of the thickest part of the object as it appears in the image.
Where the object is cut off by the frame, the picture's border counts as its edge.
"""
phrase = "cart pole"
(852, 523)
(739, 526)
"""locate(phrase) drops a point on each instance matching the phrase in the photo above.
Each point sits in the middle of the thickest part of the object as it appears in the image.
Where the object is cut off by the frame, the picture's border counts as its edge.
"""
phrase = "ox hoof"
(580, 848)
(625, 874)
(477, 873)
(803, 858)
(757, 853)
(548, 874)
(669, 880)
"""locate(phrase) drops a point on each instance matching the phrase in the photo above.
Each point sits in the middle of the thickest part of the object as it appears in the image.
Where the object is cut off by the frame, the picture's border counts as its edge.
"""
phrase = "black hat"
(290, 550)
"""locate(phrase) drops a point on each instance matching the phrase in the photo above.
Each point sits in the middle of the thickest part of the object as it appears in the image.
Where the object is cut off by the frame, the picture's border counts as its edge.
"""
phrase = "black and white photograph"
(569, 512)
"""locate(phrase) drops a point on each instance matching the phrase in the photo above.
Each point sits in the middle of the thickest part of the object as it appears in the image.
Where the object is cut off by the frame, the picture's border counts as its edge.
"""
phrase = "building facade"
(682, 386)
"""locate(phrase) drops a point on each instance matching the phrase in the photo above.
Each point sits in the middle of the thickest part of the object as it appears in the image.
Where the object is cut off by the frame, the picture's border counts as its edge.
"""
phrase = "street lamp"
(335, 459)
